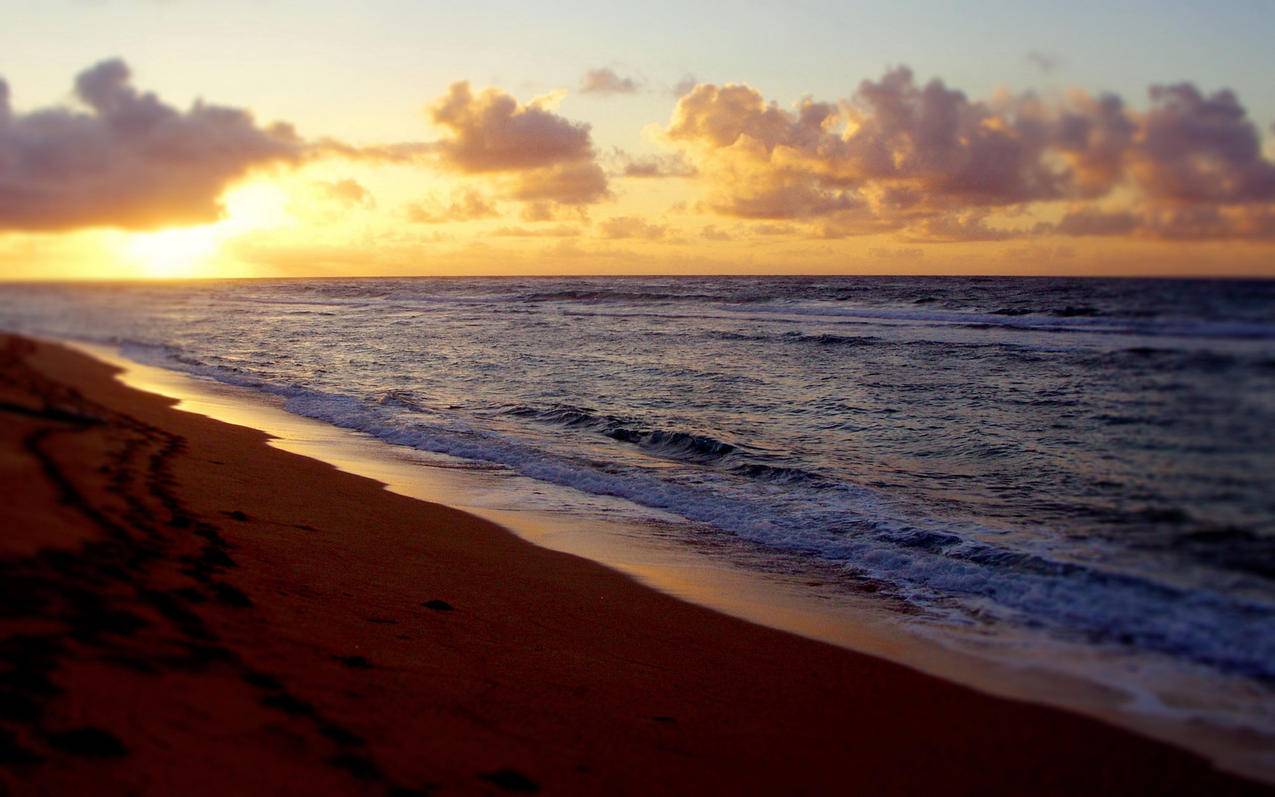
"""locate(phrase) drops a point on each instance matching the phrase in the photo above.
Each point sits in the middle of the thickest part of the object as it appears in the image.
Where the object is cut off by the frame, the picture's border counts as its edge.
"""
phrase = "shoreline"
(556, 663)
(711, 577)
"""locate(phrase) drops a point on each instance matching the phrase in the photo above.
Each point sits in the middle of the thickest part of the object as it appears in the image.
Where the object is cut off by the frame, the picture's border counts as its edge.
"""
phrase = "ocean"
(1075, 471)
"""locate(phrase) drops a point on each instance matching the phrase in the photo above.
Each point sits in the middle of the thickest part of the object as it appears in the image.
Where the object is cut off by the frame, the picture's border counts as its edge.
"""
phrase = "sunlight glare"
(181, 252)
(176, 252)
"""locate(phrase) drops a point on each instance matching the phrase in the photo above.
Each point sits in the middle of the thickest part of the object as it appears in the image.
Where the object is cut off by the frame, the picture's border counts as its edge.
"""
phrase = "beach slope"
(186, 610)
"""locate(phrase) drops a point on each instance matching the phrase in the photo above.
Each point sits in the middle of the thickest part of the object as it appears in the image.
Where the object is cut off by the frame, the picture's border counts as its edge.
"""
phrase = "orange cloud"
(606, 81)
(651, 166)
(492, 132)
(928, 160)
(346, 192)
(127, 159)
(571, 183)
(631, 227)
(559, 231)
(538, 155)
(467, 205)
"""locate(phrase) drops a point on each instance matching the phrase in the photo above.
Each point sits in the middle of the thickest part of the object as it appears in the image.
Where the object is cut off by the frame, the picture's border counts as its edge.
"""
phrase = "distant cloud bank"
(929, 161)
(921, 161)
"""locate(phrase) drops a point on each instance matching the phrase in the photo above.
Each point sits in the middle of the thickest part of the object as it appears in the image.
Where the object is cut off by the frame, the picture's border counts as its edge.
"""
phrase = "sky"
(172, 138)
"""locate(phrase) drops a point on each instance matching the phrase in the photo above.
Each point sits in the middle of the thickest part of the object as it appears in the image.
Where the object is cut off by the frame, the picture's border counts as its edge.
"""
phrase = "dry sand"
(186, 610)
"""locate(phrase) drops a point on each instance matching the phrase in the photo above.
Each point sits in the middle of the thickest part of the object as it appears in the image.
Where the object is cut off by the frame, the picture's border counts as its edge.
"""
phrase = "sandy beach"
(188, 610)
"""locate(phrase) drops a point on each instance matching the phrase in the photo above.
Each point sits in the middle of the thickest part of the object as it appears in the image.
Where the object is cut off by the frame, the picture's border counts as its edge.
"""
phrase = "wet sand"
(185, 609)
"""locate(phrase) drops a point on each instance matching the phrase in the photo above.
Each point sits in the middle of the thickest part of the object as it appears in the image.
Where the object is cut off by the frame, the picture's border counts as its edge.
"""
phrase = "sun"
(181, 252)
(175, 253)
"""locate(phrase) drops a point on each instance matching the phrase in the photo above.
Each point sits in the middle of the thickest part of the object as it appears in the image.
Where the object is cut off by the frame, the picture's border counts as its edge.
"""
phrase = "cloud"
(536, 154)
(606, 81)
(467, 205)
(572, 183)
(346, 192)
(1093, 134)
(1194, 162)
(711, 232)
(958, 228)
(1206, 222)
(1088, 221)
(492, 132)
(896, 253)
(766, 228)
(925, 159)
(127, 159)
(1195, 148)
(559, 231)
(405, 152)
(651, 166)
(1212, 223)
(1045, 62)
(892, 138)
(684, 85)
(948, 148)
(554, 211)
(631, 227)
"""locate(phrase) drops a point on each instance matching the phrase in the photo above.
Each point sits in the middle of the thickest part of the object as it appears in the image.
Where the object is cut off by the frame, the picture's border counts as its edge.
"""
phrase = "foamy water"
(1071, 474)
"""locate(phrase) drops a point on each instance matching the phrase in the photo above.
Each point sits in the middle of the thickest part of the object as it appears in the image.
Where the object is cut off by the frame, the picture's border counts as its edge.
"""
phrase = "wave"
(1134, 594)
(942, 572)
(672, 444)
(1048, 323)
(628, 297)
(1064, 319)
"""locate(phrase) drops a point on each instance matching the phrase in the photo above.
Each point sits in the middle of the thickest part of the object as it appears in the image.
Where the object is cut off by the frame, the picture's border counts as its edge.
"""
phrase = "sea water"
(1075, 473)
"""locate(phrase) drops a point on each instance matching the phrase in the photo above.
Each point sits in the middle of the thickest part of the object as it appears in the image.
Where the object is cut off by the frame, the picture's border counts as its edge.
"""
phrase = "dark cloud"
(1095, 222)
(948, 147)
(1206, 222)
(606, 81)
(127, 159)
(1212, 223)
(1195, 148)
(1195, 164)
(1094, 135)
